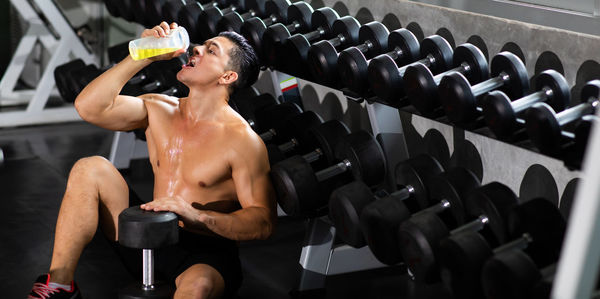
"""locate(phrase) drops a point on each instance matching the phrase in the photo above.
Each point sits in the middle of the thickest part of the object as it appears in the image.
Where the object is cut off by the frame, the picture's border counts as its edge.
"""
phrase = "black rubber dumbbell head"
(143, 229)
(386, 78)
(365, 155)
(347, 203)
(294, 49)
(514, 274)
(422, 88)
(420, 236)
(299, 14)
(322, 55)
(325, 137)
(500, 115)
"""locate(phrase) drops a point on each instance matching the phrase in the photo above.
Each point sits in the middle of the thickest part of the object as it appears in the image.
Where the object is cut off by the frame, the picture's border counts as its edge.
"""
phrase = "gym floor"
(33, 180)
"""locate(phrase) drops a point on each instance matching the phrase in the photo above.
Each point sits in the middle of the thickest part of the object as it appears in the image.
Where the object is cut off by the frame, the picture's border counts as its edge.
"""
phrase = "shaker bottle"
(153, 46)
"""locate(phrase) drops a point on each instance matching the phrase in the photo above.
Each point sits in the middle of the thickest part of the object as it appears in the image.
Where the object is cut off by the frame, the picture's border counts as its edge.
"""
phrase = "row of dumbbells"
(396, 69)
(444, 226)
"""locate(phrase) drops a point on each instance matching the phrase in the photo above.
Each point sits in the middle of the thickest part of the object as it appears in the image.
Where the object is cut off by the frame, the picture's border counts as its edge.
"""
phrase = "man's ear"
(228, 78)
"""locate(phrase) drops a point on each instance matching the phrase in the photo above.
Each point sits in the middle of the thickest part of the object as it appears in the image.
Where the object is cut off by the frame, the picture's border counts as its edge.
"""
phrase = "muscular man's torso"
(193, 160)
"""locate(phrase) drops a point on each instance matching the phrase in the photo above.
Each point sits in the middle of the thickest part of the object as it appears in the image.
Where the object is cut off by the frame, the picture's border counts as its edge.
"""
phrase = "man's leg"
(95, 191)
(199, 281)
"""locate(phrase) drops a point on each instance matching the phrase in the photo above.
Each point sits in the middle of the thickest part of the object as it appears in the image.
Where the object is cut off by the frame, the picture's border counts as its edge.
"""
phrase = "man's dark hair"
(243, 60)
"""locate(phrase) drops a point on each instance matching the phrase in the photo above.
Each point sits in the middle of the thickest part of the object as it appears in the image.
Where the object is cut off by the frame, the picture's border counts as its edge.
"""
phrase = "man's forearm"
(102, 91)
(245, 224)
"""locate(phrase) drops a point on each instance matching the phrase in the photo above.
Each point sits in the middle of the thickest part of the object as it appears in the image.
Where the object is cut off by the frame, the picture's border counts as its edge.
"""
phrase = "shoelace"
(42, 290)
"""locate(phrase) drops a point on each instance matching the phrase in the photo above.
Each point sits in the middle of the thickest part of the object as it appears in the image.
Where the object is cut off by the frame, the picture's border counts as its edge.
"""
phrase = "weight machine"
(47, 25)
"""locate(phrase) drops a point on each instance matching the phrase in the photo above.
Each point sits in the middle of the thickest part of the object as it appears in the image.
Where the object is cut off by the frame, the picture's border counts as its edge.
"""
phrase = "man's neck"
(204, 104)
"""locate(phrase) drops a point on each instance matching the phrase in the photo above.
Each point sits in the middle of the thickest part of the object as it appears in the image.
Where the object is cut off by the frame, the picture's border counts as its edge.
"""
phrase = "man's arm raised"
(100, 103)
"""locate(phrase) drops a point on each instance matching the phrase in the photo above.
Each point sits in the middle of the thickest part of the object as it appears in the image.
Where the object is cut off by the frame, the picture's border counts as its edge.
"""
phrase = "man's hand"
(161, 31)
(187, 214)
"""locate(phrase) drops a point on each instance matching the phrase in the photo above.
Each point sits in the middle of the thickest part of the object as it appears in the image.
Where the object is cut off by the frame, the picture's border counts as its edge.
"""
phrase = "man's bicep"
(126, 113)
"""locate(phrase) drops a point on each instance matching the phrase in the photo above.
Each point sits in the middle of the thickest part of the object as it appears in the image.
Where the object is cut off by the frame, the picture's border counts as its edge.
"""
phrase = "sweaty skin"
(206, 159)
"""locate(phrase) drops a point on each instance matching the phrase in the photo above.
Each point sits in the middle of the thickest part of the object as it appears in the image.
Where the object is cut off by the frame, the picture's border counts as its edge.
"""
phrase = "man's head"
(227, 59)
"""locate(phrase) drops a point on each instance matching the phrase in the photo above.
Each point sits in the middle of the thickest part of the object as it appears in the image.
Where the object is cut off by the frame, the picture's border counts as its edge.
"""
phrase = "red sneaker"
(41, 290)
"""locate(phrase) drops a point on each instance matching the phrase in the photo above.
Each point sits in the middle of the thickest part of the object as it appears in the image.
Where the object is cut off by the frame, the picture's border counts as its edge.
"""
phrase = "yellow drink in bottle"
(153, 46)
(139, 54)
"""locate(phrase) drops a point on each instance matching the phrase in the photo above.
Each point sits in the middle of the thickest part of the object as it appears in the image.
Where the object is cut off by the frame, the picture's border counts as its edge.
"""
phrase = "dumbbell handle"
(338, 40)
(293, 26)
(402, 193)
(437, 208)
(310, 36)
(428, 61)
(313, 156)
(490, 84)
(334, 170)
(268, 135)
(520, 243)
(574, 113)
(248, 14)
(463, 68)
(526, 101)
(288, 146)
(147, 269)
(365, 46)
(473, 226)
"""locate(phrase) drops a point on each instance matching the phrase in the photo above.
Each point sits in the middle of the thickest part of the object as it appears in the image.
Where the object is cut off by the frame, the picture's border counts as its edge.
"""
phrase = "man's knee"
(92, 167)
(199, 281)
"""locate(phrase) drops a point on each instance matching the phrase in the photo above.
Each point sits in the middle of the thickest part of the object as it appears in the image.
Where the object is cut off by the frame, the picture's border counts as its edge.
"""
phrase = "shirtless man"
(207, 162)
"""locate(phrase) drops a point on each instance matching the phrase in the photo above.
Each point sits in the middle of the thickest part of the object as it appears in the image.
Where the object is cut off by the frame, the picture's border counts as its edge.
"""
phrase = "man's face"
(207, 64)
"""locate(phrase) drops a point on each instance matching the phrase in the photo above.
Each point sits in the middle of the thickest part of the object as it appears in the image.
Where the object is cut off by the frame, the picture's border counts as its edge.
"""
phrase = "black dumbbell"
(460, 99)
(462, 256)
(500, 113)
(420, 236)
(62, 76)
(574, 154)
(233, 21)
(385, 75)
(254, 28)
(187, 13)
(300, 189)
(294, 49)
(347, 202)
(112, 7)
(353, 62)
(421, 86)
(323, 55)
(247, 106)
(138, 7)
(544, 125)
(208, 18)
(297, 46)
(288, 130)
(317, 142)
(540, 229)
(147, 230)
(380, 220)
(272, 117)
(299, 19)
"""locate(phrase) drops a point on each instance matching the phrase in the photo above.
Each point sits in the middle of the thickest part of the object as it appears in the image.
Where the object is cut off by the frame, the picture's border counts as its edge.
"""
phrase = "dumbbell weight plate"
(515, 69)
(295, 48)
(344, 204)
(543, 221)
(294, 179)
(509, 275)
(62, 75)
(294, 127)
(271, 116)
(365, 155)
(325, 136)
(380, 218)
(323, 55)
(453, 185)
(143, 229)
(495, 200)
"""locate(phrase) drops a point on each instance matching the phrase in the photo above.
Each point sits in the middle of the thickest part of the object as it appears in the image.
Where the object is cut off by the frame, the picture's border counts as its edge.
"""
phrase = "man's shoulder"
(159, 101)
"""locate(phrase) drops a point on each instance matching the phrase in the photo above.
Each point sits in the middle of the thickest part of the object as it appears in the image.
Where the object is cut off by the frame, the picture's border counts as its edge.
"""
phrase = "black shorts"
(169, 262)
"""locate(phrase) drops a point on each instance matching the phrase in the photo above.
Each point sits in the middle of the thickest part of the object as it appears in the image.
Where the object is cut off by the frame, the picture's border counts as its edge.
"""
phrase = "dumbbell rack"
(47, 25)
